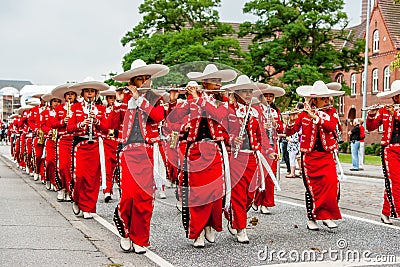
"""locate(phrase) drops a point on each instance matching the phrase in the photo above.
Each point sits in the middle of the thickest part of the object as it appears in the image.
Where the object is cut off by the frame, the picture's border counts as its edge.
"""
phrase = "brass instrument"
(68, 109)
(301, 110)
(173, 141)
(54, 134)
(378, 106)
(40, 137)
(90, 125)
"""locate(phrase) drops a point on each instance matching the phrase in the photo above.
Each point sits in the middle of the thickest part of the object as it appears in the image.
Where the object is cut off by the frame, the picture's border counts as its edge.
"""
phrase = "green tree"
(299, 41)
(178, 31)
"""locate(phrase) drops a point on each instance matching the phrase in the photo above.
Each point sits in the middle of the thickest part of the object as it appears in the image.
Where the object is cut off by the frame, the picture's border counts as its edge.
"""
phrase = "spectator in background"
(361, 150)
(355, 144)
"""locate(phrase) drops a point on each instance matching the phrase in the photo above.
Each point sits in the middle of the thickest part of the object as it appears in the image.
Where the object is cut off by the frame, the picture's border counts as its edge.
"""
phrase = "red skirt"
(135, 209)
(390, 161)
(64, 162)
(51, 162)
(110, 153)
(322, 185)
(38, 152)
(87, 175)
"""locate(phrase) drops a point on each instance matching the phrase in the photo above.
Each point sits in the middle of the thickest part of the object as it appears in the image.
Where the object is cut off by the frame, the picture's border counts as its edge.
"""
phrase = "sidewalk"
(33, 233)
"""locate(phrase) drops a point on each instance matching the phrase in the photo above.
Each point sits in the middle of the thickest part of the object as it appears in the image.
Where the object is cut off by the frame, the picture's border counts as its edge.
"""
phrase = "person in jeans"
(355, 144)
(361, 150)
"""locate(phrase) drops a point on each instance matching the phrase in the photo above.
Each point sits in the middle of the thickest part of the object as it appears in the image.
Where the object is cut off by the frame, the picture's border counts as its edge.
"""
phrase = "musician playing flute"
(142, 169)
(201, 116)
(246, 142)
(87, 124)
(264, 199)
(389, 117)
(64, 139)
(317, 147)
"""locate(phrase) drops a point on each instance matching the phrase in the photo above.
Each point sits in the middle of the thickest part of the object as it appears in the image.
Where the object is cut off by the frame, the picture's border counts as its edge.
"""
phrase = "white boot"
(36, 177)
(385, 219)
(75, 208)
(312, 225)
(48, 185)
(330, 224)
(125, 244)
(209, 234)
(254, 207)
(138, 249)
(60, 195)
(242, 236)
(179, 205)
(67, 198)
(162, 195)
(87, 215)
(265, 210)
(199, 242)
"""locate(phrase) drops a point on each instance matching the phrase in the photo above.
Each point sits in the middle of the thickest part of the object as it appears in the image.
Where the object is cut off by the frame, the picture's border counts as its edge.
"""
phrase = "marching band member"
(245, 136)
(318, 122)
(64, 139)
(29, 158)
(38, 139)
(110, 144)
(140, 158)
(389, 117)
(87, 123)
(50, 145)
(273, 126)
(201, 116)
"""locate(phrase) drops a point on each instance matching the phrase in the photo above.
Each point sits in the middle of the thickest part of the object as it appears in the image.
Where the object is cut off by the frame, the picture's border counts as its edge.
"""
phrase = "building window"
(375, 81)
(339, 78)
(353, 84)
(376, 41)
(386, 79)
(362, 82)
(341, 105)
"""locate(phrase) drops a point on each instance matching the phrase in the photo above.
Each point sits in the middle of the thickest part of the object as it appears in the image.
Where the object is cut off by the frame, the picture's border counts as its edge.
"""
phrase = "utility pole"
(364, 89)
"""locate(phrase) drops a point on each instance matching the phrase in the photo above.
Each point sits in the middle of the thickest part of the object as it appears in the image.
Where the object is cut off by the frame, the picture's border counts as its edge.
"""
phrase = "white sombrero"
(242, 82)
(211, 71)
(88, 83)
(268, 89)
(334, 86)
(394, 90)
(33, 102)
(139, 67)
(60, 91)
(48, 97)
(319, 89)
(110, 92)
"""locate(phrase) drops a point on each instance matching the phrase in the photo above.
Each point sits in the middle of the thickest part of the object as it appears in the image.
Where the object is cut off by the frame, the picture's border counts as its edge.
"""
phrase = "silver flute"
(90, 125)
(242, 129)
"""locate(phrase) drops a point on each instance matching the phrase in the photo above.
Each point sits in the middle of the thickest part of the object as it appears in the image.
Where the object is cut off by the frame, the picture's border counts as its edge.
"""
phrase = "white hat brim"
(154, 70)
(60, 91)
(224, 75)
(236, 87)
(99, 86)
(308, 91)
(268, 89)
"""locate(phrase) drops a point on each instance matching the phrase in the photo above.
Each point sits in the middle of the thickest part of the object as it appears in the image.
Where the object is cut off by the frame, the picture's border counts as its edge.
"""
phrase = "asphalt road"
(279, 238)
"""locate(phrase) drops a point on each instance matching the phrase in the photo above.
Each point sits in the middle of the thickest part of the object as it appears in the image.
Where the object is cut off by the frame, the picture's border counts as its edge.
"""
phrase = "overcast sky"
(49, 42)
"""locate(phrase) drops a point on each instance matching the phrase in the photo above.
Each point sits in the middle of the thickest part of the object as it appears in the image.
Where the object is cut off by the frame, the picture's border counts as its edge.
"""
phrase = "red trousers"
(135, 209)
(51, 162)
(22, 150)
(244, 183)
(391, 203)
(38, 152)
(64, 160)
(206, 187)
(29, 154)
(110, 153)
(266, 197)
(87, 175)
(322, 185)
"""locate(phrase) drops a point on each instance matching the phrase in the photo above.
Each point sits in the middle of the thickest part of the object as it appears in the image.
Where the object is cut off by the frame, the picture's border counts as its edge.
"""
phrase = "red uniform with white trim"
(86, 160)
(51, 150)
(390, 149)
(139, 121)
(318, 142)
(34, 122)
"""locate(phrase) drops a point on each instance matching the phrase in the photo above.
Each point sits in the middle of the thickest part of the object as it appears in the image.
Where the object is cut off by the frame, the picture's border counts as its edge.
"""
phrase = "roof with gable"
(13, 83)
(391, 14)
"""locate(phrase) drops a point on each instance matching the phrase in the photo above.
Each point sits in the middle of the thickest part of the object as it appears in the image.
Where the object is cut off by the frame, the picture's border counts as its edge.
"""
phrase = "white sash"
(159, 170)
(227, 175)
(264, 162)
(102, 164)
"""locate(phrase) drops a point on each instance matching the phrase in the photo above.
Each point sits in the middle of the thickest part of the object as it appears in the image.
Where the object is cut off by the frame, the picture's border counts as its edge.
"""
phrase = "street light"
(105, 76)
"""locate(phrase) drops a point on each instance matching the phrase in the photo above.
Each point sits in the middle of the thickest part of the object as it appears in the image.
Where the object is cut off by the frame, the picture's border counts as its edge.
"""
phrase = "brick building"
(384, 44)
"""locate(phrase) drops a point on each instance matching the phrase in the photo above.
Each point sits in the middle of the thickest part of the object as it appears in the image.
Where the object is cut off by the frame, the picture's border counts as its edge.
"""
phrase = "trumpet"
(173, 139)
(378, 106)
(54, 133)
(301, 110)
(40, 137)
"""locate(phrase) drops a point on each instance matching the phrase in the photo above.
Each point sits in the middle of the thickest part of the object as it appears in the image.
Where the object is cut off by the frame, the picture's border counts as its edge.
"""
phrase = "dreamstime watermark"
(340, 253)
